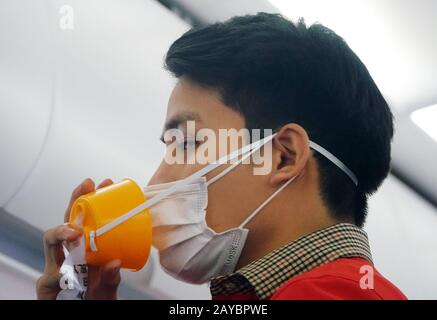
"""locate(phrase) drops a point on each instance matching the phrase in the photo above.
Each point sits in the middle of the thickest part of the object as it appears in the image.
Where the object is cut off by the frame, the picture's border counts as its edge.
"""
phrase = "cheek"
(234, 197)
(228, 202)
(172, 172)
(164, 173)
(222, 211)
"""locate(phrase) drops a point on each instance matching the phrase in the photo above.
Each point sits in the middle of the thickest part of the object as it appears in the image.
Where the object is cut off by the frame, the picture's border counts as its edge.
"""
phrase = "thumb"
(110, 276)
(105, 283)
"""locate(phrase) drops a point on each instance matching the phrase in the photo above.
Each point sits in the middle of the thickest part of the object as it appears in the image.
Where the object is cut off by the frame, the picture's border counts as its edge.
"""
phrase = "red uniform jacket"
(339, 279)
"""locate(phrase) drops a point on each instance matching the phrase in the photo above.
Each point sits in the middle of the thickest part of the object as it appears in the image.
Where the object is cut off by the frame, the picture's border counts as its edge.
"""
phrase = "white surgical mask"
(188, 249)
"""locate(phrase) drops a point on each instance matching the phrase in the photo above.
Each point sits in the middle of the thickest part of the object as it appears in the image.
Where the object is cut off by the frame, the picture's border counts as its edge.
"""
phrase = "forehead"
(189, 101)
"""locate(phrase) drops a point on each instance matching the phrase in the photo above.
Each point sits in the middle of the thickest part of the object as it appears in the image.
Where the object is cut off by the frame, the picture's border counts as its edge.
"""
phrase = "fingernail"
(68, 232)
(117, 266)
(86, 181)
(116, 270)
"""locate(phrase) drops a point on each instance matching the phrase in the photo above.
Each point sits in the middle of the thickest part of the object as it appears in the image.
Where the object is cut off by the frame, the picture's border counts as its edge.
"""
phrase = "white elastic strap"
(92, 241)
(334, 160)
(149, 203)
(253, 214)
(228, 169)
(233, 166)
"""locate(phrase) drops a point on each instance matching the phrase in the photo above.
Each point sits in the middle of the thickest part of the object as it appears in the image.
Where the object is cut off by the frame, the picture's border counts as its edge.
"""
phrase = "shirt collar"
(265, 275)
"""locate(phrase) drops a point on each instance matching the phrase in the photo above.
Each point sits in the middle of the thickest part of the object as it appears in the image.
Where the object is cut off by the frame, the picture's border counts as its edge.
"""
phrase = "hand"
(102, 281)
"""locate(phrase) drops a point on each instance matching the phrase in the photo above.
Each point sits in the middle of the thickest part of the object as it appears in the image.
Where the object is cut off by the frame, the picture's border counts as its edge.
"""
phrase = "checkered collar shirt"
(265, 275)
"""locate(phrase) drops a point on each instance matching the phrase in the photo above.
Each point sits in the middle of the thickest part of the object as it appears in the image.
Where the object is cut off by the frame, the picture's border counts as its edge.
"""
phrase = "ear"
(291, 153)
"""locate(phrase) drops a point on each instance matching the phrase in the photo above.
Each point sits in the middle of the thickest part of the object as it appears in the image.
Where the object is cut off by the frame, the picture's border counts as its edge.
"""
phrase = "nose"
(165, 173)
(158, 176)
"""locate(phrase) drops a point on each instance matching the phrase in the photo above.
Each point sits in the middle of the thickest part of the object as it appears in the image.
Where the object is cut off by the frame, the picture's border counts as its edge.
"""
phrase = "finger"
(110, 276)
(53, 239)
(77, 223)
(105, 183)
(85, 187)
(103, 281)
(48, 286)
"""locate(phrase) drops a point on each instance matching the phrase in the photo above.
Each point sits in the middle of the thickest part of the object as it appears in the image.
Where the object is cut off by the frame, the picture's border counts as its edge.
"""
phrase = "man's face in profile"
(228, 198)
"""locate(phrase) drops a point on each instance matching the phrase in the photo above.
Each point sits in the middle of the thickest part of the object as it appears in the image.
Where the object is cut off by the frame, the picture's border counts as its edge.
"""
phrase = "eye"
(187, 143)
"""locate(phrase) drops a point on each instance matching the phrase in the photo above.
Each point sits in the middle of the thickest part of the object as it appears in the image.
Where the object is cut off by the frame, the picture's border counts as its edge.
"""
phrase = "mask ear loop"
(245, 154)
(227, 170)
(328, 155)
(322, 151)
(253, 214)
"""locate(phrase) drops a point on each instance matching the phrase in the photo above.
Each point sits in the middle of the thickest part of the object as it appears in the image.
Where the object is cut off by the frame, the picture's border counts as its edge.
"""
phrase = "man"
(265, 72)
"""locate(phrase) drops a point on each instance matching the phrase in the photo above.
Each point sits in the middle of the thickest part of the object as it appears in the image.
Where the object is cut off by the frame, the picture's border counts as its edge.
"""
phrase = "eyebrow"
(179, 119)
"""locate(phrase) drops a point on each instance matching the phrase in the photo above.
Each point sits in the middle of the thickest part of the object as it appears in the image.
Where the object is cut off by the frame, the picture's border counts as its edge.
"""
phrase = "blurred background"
(83, 94)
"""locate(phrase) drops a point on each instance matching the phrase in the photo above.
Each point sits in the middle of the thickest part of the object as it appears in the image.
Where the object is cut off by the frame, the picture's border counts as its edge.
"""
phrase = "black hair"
(274, 72)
